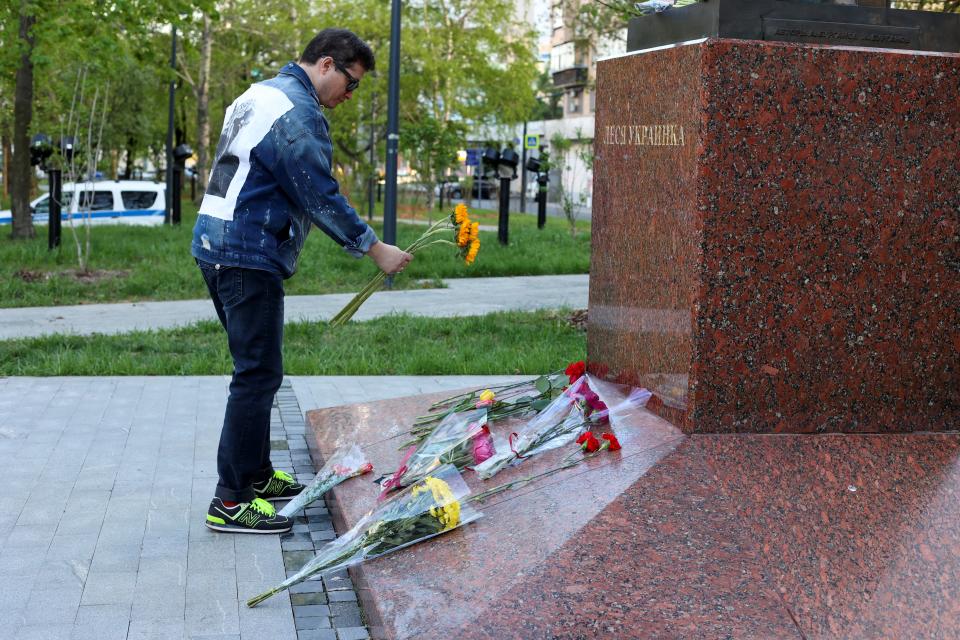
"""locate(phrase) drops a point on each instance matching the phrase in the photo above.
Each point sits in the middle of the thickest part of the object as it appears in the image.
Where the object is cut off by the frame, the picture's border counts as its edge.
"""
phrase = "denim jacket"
(272, 177)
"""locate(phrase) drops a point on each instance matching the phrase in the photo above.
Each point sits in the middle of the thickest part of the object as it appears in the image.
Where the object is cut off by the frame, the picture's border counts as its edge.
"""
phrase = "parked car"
(136, 202)
(454, 190)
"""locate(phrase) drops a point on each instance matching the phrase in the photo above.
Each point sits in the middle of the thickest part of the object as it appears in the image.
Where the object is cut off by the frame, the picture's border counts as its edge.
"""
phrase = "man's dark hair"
(342, 45)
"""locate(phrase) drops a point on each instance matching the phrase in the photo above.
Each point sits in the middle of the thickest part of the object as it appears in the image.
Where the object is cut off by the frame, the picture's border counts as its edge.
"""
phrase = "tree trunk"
(22, 115)
(5, 150)
(203, 106)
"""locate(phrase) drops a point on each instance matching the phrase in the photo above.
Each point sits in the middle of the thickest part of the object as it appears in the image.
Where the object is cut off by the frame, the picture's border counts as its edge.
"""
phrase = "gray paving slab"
(461, 297)
(117, 543)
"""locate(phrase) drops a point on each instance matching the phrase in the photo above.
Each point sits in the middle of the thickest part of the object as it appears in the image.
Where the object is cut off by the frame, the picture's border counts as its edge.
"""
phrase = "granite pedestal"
(775, 235)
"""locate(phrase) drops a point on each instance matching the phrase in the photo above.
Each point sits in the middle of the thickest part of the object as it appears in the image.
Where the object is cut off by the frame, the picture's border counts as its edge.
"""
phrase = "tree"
(567, 156)
(54, 37)
(548, 99)
(461, 67)
(20, 168)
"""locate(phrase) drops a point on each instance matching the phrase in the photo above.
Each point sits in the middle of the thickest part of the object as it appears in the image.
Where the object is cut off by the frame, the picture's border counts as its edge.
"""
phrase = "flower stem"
(522, 481)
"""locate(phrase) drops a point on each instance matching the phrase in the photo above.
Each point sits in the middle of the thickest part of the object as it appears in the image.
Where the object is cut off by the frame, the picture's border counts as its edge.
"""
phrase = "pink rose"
(482, 446)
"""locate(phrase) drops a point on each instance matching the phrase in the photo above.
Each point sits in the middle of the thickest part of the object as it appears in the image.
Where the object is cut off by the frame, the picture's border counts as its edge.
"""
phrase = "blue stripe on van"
(79, 217)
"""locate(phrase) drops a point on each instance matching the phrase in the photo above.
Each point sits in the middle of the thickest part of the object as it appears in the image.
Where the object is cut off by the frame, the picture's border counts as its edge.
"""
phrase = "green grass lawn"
(150, 263)
(500, 343)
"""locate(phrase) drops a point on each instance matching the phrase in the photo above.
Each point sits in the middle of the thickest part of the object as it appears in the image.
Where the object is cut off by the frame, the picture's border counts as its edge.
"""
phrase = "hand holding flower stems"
(466, 239)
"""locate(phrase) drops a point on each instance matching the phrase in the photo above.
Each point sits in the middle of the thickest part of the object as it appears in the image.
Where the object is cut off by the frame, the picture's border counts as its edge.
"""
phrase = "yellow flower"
(475, 231)
(487, 395)
(463, 235)
(472, 252)
(460, 213)
(447, 511)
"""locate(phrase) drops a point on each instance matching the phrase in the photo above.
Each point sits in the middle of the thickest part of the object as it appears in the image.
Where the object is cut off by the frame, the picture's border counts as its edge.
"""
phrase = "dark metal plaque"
(795, 21)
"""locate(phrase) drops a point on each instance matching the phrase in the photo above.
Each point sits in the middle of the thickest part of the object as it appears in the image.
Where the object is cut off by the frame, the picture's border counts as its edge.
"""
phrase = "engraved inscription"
(873, 35)
(644, 135)
(841, 35)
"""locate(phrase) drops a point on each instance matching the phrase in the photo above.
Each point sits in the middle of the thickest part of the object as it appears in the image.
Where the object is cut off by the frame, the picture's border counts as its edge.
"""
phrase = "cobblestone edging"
(324, 609)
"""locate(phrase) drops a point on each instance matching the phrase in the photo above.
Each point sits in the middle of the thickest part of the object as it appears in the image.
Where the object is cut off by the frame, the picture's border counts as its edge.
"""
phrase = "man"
(272, 178)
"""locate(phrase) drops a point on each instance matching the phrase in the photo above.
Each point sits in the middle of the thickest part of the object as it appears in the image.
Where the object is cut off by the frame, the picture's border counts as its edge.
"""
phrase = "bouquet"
(345, 463)
(503, 401)
(558, 424)
(465, 238)
(461, 439)
(434, 505)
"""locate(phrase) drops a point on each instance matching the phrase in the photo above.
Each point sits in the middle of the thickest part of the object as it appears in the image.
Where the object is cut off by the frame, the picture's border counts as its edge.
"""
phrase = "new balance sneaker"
(258, 516)
(280, 486)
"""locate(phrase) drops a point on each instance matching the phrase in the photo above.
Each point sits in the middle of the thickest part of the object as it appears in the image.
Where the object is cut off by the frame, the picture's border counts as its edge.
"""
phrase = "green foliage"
(458, 67)
(501, 343)
(548, 105)
(432, 144)
(124, 42)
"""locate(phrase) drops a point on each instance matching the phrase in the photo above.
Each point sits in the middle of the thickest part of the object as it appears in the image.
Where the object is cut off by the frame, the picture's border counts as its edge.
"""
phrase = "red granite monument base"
(775, 236)
(675, 536)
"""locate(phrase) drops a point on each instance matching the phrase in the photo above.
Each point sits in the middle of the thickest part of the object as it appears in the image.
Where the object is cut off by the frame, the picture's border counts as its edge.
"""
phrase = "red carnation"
(612, 443)
(575, 370)
(591, 445)
(586, 435)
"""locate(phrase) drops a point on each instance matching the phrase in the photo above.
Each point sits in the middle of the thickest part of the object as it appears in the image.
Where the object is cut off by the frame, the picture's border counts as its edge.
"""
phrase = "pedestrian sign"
(532, 141)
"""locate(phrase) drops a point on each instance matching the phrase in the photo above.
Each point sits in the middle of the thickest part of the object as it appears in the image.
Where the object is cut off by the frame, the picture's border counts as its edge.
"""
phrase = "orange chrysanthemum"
(472, 252)
(463, 235)
(460, 213)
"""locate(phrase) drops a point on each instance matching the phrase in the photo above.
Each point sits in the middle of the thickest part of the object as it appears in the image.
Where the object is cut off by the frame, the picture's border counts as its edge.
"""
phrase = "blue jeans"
(249, 303)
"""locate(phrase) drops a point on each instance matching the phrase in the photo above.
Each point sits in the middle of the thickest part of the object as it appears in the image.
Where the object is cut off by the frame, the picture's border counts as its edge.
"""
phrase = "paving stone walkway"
(102, 530)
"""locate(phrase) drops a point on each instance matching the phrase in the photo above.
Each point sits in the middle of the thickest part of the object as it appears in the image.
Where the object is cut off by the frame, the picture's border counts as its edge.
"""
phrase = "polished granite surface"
(675, 536)
(775, 236)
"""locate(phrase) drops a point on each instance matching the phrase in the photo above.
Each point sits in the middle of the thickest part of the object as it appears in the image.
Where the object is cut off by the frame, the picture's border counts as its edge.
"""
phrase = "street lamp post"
(393, 135)
(173, 66)
(507, 171)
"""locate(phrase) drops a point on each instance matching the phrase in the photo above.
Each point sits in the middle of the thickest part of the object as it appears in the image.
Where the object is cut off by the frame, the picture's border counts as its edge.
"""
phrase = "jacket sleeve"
(303, 172)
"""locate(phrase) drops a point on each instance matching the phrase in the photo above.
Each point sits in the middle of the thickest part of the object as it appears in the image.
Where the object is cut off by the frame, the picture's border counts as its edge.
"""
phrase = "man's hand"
(389, 258)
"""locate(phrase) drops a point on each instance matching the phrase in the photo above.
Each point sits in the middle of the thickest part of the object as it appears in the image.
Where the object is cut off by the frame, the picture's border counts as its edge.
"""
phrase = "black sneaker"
(258, 516)
(280, 486)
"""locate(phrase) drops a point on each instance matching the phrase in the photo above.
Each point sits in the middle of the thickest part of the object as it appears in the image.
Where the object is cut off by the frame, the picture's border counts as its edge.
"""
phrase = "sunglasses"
(352, 83)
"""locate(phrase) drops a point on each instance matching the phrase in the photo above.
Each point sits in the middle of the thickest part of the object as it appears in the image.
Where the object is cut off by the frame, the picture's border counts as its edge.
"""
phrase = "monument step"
(784, 536)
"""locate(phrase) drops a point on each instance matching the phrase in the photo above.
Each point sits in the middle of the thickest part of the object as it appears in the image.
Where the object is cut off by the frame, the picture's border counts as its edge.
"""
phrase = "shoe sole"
(228, 529)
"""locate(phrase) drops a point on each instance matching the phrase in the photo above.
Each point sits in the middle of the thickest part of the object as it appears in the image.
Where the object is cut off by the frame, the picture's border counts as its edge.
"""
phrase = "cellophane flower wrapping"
(624, 402)
(557, 425)
(430, 506)
(450, 442)
(346, 462)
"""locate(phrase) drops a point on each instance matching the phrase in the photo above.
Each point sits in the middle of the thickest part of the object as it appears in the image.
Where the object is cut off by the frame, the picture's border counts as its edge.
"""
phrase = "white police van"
(105, 202)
